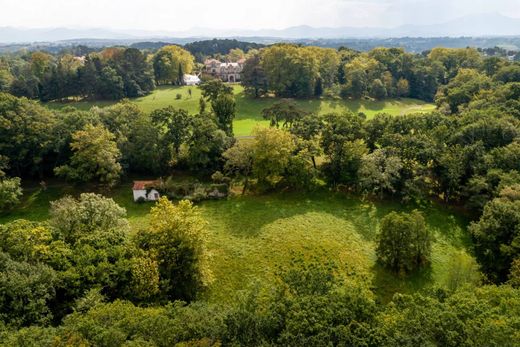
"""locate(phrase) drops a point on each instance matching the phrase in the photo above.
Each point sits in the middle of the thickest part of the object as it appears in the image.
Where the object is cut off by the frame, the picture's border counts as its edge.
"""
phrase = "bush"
(178, 97)
(196, 191)
(10, 193)
(217, 177)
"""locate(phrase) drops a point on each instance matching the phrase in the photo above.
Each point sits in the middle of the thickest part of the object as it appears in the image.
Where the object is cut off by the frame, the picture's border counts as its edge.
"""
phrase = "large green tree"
(497, 234)
(379, 173)
(404, 243)
(176, 238)
(168, 61)
(95, 157)
(25, 138)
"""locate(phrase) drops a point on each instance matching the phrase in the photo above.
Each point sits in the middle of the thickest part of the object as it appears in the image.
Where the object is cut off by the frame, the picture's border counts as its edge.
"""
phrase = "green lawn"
(251, 236)
(250, 109)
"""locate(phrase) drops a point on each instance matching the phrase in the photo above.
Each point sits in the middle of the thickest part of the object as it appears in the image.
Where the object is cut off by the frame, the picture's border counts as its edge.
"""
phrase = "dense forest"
(83, 278)
(283, 69)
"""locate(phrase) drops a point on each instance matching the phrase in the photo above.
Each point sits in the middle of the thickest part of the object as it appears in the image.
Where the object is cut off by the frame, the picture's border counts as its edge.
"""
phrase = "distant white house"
(144, 190)
(191, 80)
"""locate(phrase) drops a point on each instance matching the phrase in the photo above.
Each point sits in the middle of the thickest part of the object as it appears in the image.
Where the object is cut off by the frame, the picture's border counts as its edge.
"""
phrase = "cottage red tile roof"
(142, 185)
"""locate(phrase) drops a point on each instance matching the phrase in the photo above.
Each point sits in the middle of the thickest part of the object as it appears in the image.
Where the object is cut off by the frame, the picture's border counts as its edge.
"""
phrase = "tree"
(235, 54)
(239, 161)
(27, 241)
(74, 218)
(318, 88)
(224, 108)
(6, 78)
(10, 192)
(143, 151)
(441, 319)
(95, 157)
(450, 171)
(25, 138)
(180, 76)
(145, 278)
(88, 75)
(213, 88)
(168, 61)
(360, 74)
(379, 173)
(292, 71)
(403, 88)
(41, 63)
(461, 89)
(285, 111)
(272, 151)
(26, 291)
(174, 129)
(110, 85)
(10, 188)
(378, 90)
(497, 235)
(453, 59)
(206, 144)
(463, 272)
(514, 274)
(176, 238)
(345, 162)
(95, 243)
(135, 70)
(508, 74)
(253, 76)
(403, 242)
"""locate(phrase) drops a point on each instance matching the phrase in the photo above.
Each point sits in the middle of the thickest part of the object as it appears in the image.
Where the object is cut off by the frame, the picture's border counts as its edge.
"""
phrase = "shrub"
(10, 192)
(217, 177)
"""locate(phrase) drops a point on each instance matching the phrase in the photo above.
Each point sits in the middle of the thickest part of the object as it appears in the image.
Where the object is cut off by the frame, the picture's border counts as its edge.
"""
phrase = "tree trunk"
(246, 184)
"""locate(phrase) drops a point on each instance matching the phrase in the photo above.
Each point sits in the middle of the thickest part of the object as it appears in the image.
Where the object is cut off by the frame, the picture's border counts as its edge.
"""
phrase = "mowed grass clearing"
(250, 109)
(251, 237)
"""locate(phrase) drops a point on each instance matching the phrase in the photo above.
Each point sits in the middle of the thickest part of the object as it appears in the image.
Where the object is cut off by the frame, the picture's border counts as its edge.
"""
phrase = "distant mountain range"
(493, 24)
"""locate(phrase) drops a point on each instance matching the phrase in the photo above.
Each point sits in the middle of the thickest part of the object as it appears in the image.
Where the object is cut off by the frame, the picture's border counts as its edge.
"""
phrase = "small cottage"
(145, 191)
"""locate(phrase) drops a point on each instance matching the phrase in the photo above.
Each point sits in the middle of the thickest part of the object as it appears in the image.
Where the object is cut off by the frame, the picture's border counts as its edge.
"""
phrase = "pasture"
(251, 237)
(250, 109)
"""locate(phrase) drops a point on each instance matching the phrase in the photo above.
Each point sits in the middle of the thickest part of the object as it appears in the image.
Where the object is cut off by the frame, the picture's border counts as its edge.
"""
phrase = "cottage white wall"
(152, 195)
(139, 194)
(142, 194)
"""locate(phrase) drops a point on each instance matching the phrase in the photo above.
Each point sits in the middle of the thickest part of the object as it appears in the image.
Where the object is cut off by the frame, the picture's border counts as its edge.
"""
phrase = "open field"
(251, 236)
(250, 109)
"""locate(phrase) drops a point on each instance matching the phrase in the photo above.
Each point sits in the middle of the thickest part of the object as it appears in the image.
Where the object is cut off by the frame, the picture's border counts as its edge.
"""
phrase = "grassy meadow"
(250, 109)
(252, 236)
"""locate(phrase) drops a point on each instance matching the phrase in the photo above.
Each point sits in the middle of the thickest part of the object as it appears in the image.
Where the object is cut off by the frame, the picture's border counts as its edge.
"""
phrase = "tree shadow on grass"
(447, 225)
(386, 284)
(246, 216)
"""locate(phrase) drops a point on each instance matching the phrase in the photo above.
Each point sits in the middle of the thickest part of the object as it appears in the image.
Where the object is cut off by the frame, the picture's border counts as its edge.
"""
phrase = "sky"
(179, 15)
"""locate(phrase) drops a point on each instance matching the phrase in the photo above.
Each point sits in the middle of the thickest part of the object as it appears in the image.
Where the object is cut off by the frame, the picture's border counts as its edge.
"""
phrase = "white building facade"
(143, 190)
